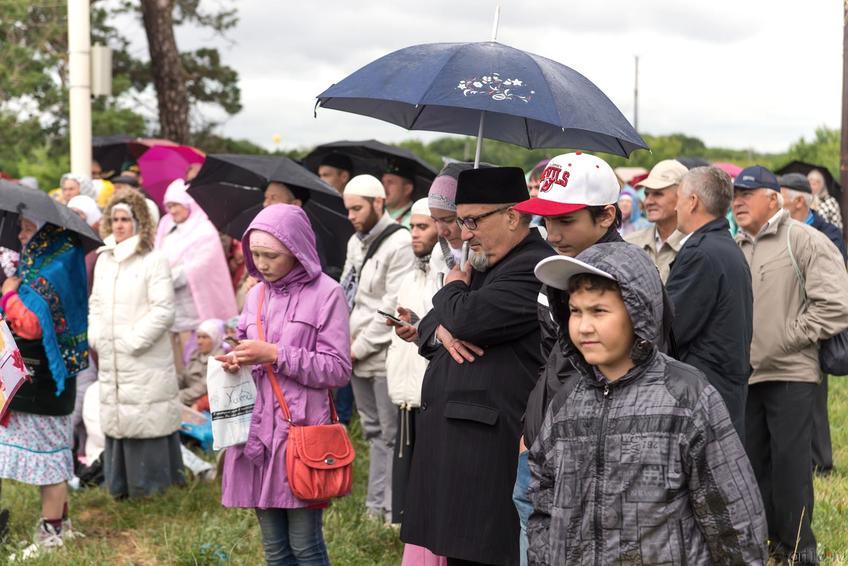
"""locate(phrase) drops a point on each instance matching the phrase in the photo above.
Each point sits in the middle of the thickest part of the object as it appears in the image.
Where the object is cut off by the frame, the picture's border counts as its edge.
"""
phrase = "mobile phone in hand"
(393, 318)
(466, 252)
(231, 341)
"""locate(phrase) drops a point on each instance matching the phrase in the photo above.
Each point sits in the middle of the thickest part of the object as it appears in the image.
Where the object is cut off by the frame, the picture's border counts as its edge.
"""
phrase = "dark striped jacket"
(646, 470)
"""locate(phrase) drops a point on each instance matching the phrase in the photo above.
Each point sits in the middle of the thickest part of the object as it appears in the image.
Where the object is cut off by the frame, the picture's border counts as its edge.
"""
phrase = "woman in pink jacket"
(305, 319)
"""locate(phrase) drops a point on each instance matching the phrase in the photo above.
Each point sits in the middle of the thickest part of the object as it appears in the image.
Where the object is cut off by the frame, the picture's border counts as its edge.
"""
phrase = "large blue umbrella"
(486, 89)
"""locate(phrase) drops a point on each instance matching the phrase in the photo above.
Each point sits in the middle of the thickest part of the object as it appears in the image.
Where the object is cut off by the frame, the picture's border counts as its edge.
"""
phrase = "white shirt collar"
(771, 221)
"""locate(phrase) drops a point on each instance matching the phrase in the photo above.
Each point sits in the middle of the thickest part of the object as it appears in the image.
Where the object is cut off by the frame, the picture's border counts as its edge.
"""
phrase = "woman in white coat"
(130, 311)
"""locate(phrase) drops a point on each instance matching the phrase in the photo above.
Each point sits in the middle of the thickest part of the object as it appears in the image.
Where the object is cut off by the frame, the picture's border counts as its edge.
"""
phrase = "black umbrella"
(16, 200)
(373, 158)
(116, 152)
(692, 162)
(833, 186)
(230, 188)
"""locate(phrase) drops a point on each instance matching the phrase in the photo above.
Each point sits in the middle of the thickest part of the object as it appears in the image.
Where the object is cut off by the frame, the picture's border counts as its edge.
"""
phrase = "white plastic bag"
(231, 399)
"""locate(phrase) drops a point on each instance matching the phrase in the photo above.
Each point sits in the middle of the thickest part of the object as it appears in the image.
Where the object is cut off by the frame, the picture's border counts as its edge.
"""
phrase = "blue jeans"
(344, 403)
(293, 537)
(522, 502)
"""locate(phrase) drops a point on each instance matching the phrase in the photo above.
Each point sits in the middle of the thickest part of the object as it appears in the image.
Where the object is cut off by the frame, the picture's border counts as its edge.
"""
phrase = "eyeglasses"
(471, 222)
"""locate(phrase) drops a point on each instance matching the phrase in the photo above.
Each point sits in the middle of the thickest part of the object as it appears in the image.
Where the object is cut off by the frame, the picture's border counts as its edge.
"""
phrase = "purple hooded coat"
(306, 315)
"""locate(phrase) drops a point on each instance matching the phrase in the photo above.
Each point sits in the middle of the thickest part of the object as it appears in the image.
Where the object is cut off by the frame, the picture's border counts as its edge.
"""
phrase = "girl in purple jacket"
(305, 319)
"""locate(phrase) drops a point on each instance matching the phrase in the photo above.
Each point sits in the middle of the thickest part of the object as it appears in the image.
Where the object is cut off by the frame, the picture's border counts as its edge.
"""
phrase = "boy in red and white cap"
(578, 196)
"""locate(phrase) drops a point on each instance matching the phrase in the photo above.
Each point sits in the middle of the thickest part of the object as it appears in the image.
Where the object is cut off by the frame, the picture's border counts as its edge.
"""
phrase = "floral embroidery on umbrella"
(496, 88)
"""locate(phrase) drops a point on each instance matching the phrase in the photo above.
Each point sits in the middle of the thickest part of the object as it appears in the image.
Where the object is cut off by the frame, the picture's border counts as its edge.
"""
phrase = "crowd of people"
(551, 367)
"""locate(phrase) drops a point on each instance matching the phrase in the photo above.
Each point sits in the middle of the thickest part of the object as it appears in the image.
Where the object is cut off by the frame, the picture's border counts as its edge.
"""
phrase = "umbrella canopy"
(373, 157)
(804, 168)
(113, 153)
(161, 164)
(110, 152)
(627, 174)
(692, 162)
(730, 168)
(525, 99)
(16, 200)
(230, 188)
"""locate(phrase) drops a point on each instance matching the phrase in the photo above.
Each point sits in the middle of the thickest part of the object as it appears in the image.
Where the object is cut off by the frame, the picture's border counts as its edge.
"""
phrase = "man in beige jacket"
(379, 255)
(793, 311)
(661, 241)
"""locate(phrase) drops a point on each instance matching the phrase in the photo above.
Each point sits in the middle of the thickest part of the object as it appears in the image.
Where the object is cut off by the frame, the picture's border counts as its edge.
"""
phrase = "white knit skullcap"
(365, 186)
(422, 207)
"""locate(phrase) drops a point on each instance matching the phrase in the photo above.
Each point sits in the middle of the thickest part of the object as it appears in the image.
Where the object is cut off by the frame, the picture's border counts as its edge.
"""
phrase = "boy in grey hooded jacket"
(637, 460)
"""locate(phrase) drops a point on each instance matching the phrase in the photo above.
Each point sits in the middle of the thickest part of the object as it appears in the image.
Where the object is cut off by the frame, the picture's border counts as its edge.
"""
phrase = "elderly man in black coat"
(482, 340)
(710, 288)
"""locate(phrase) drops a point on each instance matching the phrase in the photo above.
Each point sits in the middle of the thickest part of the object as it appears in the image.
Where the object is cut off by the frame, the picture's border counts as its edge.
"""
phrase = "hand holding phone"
(393, 318)
(466, 253)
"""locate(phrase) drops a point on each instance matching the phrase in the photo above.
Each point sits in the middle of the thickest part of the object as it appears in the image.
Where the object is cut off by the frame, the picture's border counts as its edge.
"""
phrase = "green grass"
(830, 516)
(187, 526)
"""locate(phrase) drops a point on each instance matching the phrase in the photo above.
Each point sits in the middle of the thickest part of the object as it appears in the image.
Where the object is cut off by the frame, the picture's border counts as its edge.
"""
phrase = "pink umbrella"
(161, 164)
(729, 168)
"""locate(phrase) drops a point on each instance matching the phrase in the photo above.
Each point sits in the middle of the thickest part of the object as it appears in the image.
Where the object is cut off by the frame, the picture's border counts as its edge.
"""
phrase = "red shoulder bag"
(319, 458)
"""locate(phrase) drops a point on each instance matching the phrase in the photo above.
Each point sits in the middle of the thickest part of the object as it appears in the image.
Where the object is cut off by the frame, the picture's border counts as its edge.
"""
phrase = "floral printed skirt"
(36, 449)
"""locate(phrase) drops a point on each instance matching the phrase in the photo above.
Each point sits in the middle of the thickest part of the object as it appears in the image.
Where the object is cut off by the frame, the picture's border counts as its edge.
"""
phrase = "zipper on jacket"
(599, 476)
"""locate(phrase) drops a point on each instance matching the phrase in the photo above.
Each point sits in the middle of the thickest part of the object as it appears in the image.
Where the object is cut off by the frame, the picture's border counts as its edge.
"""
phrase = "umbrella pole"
(479, 140)
(483, 113)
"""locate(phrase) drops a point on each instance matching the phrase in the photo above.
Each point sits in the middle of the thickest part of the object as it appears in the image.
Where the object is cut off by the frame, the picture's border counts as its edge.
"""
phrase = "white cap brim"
(556, 271)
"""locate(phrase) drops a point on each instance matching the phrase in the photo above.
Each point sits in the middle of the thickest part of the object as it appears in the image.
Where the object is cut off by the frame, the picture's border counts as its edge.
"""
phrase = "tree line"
(192, 85)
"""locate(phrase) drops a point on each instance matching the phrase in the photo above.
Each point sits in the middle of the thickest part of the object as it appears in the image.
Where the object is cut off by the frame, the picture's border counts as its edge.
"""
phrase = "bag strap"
(272, 375)
(795, 265)
(378, 241)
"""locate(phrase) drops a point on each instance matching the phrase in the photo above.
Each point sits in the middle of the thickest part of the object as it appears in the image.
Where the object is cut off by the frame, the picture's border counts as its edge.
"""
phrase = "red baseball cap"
(571, 182)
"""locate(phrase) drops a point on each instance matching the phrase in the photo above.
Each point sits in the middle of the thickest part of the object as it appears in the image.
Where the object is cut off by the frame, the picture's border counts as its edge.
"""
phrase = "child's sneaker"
(68, 532)
(46, 539)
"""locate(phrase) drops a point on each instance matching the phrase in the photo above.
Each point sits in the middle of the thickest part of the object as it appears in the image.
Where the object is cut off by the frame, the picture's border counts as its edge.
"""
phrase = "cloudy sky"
(735, 73)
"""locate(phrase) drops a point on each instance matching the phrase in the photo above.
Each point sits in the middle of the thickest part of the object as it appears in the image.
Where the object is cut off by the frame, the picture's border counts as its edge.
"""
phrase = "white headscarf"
(84, 182)
(177, 193)
(87, 206)
(128, 209)
(214, 329)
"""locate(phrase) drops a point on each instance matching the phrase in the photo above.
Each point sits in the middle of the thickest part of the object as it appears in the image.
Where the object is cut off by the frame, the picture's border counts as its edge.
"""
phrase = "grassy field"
(188, 526)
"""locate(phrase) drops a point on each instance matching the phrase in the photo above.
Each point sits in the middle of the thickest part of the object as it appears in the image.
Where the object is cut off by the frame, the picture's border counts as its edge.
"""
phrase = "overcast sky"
(735, 73)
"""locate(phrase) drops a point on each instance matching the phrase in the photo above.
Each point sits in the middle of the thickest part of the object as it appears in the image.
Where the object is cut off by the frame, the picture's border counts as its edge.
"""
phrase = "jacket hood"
(290, 225)
(641, 289)
(146, 228)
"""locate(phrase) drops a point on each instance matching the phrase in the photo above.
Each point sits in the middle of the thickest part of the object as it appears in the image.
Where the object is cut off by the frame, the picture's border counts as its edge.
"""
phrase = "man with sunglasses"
(482, 341)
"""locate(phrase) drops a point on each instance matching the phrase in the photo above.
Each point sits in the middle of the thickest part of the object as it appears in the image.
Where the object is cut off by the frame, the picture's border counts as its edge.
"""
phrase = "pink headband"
(262, 239)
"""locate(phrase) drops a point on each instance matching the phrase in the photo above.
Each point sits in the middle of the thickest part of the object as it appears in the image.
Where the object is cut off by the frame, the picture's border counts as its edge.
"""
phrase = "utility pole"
(636, 93)
(843, 153)
(79, 91)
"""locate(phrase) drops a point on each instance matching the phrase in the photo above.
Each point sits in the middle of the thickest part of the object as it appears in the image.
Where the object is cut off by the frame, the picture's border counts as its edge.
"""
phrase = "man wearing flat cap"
(797, 200)
(799, 283)
(399, 183)
(482, 340)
